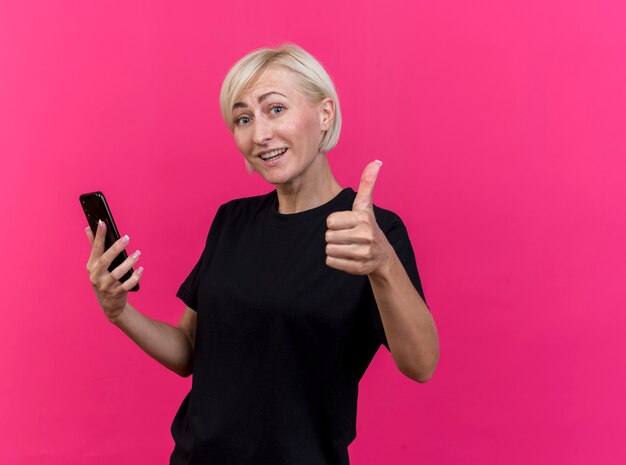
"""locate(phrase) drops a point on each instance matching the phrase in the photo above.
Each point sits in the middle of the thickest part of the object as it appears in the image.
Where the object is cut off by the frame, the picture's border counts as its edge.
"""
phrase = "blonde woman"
(294, 292)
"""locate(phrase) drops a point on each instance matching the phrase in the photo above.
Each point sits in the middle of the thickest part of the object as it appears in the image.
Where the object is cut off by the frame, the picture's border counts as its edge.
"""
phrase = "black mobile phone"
(96, 208)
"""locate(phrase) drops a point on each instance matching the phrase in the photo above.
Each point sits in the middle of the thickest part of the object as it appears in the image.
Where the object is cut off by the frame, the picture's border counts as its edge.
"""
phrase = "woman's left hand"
(354, 241)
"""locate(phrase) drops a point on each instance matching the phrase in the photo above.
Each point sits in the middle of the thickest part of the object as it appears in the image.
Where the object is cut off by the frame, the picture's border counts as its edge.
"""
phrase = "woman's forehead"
(273, 79)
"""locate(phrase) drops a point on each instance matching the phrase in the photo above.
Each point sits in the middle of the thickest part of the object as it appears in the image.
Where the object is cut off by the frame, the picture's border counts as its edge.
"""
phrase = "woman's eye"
(242, 120)
(277, 109)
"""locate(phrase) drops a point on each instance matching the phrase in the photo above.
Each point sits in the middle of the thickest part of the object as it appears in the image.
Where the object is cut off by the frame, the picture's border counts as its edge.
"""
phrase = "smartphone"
(96, 208)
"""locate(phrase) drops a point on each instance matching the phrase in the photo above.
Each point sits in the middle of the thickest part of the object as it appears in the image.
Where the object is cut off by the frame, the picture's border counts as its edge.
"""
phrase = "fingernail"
(100, 224)
(124, 240)
(136, 254)
(380, 163)
(139, 270)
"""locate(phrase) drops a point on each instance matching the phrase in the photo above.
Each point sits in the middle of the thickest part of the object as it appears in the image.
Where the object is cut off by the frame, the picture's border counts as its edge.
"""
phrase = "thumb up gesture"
(354, 242)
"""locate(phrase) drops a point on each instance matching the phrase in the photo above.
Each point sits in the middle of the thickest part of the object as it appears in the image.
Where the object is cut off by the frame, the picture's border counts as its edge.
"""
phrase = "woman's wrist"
(384, 272)
(119, 318)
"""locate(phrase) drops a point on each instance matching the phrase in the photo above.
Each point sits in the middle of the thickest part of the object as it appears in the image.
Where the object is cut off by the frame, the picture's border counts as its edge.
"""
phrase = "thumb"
(363, 199)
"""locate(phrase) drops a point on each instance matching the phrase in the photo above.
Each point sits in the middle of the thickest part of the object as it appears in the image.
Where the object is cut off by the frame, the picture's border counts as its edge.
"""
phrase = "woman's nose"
(262, 131)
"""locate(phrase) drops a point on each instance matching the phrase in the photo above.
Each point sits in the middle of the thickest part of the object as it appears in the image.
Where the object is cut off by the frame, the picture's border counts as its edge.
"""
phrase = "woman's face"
(278, 130)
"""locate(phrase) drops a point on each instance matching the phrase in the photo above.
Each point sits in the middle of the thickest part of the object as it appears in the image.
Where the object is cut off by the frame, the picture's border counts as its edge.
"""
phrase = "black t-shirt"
(282, 340)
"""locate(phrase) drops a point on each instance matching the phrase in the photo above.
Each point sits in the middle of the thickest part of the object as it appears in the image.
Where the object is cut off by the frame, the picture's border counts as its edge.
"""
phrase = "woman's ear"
(327, 114)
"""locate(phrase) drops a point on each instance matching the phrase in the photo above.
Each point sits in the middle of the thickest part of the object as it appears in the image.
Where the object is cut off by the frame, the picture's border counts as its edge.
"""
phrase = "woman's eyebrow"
(261, 98)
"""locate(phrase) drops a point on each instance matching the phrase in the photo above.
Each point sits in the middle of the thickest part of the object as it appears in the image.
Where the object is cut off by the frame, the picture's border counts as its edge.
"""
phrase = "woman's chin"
(277, 181)
(275, 176)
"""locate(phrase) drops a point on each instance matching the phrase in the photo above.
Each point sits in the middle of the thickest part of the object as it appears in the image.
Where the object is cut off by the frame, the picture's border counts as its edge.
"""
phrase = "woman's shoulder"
(246, 205)
(387, 219)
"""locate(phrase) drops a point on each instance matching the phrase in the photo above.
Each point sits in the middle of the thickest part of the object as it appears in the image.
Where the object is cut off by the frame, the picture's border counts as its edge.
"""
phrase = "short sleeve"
(398, 237)
(188, 291)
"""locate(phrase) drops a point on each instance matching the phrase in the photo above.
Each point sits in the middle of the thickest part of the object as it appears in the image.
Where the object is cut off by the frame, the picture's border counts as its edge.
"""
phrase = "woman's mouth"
(273, 154)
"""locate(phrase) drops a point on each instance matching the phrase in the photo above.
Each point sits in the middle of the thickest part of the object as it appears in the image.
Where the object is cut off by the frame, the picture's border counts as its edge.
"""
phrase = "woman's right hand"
(111, 293)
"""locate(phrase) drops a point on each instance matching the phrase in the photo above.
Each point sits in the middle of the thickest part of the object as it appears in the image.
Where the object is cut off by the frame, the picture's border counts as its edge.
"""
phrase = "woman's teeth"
(273, 153)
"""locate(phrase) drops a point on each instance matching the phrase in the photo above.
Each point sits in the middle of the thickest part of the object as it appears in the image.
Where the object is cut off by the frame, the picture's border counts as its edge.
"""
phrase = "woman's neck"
(308, 193)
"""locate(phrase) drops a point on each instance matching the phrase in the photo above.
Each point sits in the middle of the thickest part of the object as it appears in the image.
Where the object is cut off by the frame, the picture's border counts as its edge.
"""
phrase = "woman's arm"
(356, 245)
(172, 346)
(409, 325)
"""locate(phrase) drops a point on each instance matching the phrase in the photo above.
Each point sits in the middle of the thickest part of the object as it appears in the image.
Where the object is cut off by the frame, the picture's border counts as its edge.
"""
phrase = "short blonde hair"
(310, 76)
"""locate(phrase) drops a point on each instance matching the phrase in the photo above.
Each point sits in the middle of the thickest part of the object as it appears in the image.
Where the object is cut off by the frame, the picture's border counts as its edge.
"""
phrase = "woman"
(294, 292)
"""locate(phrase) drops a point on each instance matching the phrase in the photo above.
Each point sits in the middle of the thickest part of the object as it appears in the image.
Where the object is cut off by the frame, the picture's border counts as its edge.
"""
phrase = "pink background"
(501, 126)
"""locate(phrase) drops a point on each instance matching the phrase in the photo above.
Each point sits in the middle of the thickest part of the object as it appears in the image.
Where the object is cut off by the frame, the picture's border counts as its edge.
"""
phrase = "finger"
(363, 199)
(133, 280)
(107, 257)
(347, 265)
(97, 246)
(348, 236)
(89, 234)
(349, 251)
(342, 220)
(126, 265)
